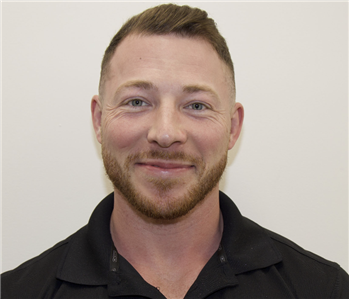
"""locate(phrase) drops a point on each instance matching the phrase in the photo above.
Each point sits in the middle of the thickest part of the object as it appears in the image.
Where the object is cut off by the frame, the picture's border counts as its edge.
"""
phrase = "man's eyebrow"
(200, 88)
(146, 85)
(135, 84)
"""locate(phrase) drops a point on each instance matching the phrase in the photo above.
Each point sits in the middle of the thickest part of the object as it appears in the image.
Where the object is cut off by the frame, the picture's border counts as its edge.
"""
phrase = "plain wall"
(288, 171)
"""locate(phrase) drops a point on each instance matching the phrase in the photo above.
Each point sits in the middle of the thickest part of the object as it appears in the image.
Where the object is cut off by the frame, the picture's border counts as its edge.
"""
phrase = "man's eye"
(197, 106)
(136, 103)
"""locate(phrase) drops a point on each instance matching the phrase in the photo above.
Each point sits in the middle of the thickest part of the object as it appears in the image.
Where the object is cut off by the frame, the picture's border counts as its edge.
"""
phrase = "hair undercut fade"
(166, 19)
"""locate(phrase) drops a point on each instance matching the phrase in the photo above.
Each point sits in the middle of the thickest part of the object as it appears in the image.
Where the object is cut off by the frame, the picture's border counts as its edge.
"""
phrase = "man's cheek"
(123, 137)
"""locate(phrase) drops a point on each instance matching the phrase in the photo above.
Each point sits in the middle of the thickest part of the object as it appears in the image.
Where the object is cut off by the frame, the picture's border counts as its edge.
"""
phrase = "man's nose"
(166, 127)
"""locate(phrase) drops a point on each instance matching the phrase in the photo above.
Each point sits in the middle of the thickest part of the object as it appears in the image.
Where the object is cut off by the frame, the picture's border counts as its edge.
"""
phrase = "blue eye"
(136, 103)
(197, 106)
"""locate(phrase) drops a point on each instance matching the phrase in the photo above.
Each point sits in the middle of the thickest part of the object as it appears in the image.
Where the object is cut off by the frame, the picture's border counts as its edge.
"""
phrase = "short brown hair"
(170, 19)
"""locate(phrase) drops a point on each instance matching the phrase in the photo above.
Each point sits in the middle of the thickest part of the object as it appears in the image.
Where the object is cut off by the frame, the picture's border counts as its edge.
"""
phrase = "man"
(166, 116)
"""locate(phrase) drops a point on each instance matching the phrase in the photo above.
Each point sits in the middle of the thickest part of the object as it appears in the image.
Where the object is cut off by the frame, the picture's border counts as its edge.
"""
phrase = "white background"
(288, 172)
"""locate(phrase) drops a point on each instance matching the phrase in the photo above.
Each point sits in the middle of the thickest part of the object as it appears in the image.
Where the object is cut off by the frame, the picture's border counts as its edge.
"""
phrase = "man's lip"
(165, 164)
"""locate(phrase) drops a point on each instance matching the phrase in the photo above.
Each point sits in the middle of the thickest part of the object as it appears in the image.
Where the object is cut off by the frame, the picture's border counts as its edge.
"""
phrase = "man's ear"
(96, 110)
(237, 117)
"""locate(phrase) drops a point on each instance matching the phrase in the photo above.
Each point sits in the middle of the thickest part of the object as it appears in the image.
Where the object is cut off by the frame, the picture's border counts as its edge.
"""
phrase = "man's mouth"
(164, 166)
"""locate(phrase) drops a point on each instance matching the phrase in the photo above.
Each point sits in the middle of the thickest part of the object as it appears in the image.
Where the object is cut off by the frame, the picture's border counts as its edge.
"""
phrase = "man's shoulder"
(291, 251)
(304, 268)
(261, 257)
(36, 274)
(52, 254)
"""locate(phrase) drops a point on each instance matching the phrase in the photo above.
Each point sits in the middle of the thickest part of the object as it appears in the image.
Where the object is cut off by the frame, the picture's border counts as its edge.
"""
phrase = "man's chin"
(160, 188)
(163, 203)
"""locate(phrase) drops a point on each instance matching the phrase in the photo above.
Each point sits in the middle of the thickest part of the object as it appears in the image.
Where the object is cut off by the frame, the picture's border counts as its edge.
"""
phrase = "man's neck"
(168, 254)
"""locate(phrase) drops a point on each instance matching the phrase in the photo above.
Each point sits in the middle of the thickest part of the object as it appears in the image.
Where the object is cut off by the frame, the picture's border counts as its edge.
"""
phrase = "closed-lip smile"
(164, 165)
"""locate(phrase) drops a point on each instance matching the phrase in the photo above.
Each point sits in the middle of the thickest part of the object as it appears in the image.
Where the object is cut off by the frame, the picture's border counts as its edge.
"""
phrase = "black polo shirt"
(251, 262)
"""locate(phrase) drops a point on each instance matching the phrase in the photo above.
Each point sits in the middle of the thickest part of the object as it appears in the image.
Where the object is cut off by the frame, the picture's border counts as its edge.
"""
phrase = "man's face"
(166, 122)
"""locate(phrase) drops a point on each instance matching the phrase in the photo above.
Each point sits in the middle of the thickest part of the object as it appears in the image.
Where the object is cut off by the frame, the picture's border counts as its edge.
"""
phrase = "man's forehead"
(140, 43)
(135, 51)
(172, 47)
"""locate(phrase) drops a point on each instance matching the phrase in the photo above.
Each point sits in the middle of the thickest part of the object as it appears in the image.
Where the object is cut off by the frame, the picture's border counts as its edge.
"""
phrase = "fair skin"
(172, 94)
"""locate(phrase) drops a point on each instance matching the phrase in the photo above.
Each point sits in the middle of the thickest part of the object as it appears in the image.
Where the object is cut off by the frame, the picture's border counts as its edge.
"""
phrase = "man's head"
(167, 118)
(167, 19)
